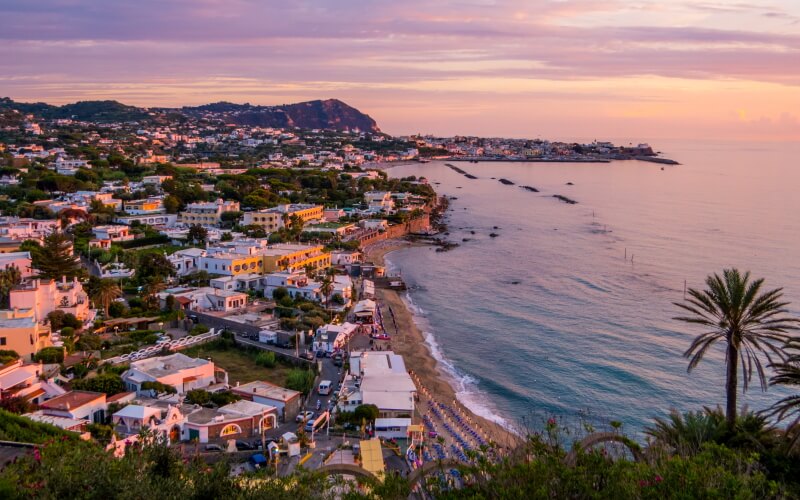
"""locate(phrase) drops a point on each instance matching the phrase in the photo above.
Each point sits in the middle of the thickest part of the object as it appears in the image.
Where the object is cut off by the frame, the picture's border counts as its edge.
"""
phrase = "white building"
(379, 378)
(176, 370)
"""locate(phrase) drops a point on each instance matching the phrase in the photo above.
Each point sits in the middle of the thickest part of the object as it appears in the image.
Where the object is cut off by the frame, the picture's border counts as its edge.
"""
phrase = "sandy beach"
(409, 342)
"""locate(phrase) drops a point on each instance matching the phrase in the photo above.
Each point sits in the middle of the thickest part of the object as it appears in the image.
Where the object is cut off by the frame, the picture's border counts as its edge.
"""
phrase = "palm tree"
(151, 288)
(788, 373)
(748, 322)
(326, 287)
(104, 293)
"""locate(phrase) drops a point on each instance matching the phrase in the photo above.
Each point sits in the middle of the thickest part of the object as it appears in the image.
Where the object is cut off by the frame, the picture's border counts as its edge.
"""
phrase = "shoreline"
(409, 341)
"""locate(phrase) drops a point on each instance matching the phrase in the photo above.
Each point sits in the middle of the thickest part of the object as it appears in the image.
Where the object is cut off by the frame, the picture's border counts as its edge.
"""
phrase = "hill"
(328, 114)
(90, 111)
(322, 114)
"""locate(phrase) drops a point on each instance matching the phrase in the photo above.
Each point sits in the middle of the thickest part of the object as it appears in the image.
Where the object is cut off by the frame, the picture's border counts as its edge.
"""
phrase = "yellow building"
(272, 219)
(20, 332)
(231, 264)
(136, 207)
(292, 257)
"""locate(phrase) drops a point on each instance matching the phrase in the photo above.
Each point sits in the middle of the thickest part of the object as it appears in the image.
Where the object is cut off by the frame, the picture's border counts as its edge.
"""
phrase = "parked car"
(304, 415)
(242, 445)
(213, 447)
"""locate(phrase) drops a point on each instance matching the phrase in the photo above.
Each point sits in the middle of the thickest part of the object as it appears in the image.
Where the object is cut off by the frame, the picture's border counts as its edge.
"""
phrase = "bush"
(266, 359)
(108, 383)
(198, 397)
(7, 355)
(300, 380)
(67, 331)
(136, 302)
(158, 387)
(50, 355)
(198, 330)
(116, 309)
(279, 293)
(89, 342)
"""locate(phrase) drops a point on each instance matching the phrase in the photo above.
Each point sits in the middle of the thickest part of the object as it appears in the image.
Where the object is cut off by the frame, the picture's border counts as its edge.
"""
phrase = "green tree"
(7, 355)
(197, 234)
(300, 380)
(366, 412)
(734, 311)
(9, 278)
(198, 397)
(55, 258)
(105, 293)
(108, 383)
(171, 204)
(154, 265)
(50, 355)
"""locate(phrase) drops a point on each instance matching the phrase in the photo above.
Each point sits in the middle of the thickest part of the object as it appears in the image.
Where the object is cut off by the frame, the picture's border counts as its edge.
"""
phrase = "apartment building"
(272, 219)
(207, 214)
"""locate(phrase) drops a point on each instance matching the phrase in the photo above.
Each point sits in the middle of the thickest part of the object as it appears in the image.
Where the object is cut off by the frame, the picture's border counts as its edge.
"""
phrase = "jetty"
(460, 171)
(565, 199)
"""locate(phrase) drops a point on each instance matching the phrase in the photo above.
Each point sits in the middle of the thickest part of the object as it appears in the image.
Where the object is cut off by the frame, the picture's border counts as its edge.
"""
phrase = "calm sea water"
(551, 318)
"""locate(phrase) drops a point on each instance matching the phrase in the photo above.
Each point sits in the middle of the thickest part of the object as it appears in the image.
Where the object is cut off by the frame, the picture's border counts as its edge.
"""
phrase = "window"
(3, 341)
(230, 429)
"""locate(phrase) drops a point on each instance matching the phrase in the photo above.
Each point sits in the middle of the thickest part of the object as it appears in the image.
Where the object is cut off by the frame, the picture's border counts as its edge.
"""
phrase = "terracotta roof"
(72, 400)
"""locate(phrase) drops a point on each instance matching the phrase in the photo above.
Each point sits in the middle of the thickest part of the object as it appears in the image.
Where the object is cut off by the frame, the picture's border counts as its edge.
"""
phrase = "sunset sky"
(642, 69)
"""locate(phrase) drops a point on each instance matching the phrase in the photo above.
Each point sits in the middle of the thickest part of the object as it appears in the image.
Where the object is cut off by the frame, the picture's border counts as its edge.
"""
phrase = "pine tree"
(55, 258)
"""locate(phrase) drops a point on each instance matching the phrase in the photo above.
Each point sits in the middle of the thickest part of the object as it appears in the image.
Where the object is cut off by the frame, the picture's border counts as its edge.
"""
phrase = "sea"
(568, 312)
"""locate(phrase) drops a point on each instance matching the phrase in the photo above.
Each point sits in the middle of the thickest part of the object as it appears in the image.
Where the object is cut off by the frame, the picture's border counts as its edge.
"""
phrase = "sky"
(560, 69)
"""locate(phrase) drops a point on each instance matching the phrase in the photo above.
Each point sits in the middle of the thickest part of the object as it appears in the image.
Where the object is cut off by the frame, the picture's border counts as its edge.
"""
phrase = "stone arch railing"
(350, 469)
(603, 437)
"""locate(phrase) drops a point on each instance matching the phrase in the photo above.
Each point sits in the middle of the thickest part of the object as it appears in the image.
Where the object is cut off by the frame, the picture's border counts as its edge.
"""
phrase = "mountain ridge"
(322, 114)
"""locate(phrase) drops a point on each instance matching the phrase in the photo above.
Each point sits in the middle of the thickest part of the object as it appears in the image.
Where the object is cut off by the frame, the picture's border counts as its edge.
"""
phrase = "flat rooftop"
(72, 400)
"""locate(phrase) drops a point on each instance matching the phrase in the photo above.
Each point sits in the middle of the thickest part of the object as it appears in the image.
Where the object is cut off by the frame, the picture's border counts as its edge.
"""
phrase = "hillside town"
(209, 287)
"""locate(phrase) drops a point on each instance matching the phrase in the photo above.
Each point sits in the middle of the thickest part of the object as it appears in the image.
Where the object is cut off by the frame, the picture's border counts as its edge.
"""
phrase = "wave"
(464, 385)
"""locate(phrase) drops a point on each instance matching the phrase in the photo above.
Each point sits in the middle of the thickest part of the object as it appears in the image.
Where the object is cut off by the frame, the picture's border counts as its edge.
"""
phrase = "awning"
(372, 456)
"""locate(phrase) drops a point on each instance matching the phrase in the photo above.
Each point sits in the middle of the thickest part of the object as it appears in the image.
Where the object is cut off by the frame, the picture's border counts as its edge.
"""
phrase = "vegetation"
(108, 383)
(54, 259)
(751, 324)
(201, 397)
(50, 355)
(24, 430)
(9, 278)
(300, 380)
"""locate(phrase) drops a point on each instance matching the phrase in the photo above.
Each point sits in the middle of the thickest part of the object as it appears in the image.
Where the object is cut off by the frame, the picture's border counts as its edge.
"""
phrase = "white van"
(324, 388)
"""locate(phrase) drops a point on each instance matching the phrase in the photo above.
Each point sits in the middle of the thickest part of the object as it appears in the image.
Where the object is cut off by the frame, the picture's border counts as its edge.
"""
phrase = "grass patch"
(240, 364)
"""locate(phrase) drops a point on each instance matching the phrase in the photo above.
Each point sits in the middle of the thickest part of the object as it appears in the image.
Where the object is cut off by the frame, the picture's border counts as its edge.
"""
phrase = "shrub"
(108, 383)
(89, 342)
(198, 397)
(300, 380)
(158, 387)
(67, 331)
(266, 359)
(198, 330)
(50, 355)
(7, 355)
(116, 309)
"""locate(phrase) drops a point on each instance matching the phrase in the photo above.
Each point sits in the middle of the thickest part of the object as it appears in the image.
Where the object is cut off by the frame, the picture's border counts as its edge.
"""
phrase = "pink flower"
(643, 483)
(37, 455)
(551, 421)
(658, 479)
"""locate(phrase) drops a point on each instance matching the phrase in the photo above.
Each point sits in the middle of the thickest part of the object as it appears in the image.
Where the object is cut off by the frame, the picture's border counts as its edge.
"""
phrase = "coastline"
(410, 342)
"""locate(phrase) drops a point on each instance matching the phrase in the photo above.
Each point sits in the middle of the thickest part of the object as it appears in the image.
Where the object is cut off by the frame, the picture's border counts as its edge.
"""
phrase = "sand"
(409, 342)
